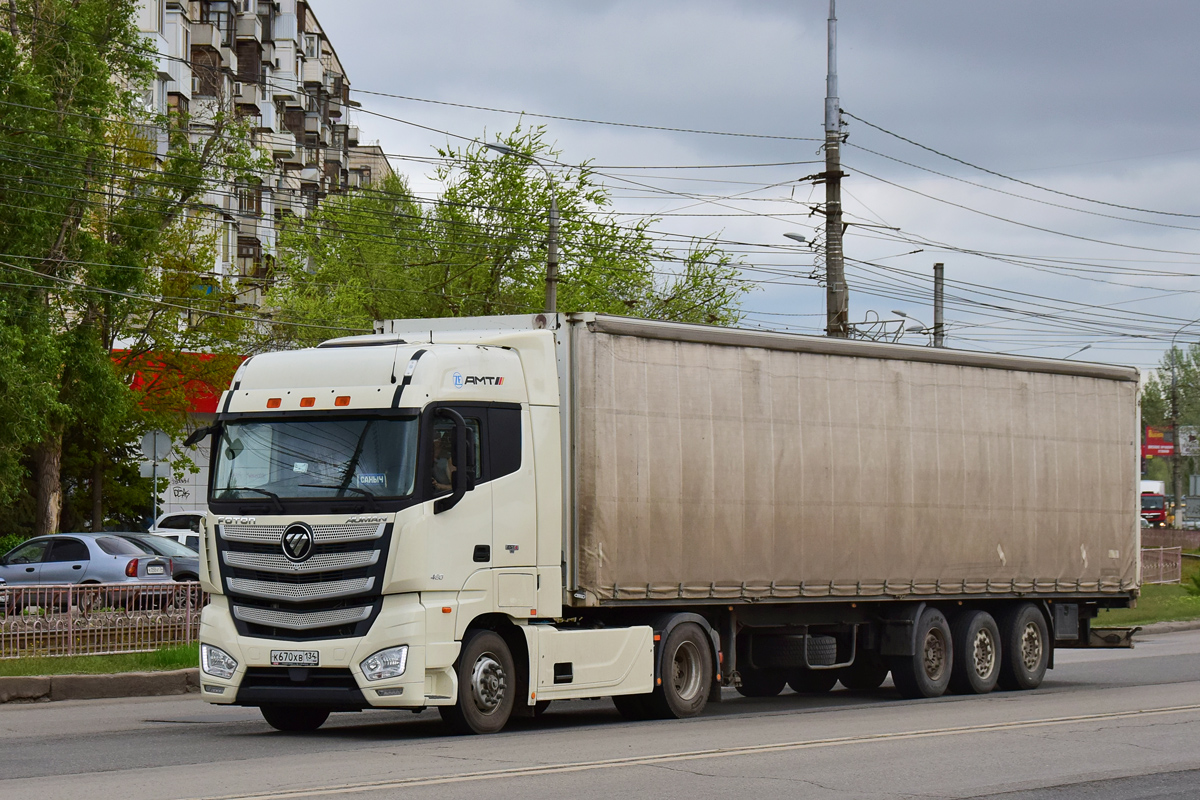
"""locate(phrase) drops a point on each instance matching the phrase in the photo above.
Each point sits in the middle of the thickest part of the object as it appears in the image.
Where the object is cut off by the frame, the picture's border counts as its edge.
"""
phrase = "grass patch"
(182, 657)
(1160, 602)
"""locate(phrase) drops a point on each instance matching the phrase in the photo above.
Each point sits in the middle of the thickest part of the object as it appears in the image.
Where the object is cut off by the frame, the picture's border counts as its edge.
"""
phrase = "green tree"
(480, 248)
(97, 245)
(1158, 402)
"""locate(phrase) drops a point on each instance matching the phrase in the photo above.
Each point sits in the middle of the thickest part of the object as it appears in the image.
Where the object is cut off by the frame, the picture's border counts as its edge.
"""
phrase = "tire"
(978, 653)
(486, 685)
(926, 673)
(687, 673)
(633, 707)
(1025, 647)
(813, 681)
(762, 683)
(294, 719)
(866, 674)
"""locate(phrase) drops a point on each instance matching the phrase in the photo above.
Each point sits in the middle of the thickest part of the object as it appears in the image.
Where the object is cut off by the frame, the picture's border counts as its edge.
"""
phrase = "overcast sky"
(1089, 98)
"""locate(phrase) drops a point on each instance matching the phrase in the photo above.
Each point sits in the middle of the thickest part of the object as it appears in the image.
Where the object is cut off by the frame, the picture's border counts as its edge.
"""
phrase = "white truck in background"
(486, 515)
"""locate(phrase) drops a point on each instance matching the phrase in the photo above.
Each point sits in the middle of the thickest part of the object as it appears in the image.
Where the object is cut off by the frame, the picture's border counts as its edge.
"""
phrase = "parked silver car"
(63, 558)
(184, 560)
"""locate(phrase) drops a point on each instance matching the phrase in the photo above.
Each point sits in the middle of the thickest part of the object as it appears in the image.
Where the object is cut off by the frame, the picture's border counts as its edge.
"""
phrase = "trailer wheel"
(687, 673)
(761, 683)
(1025, 647)
(926, 673)
(977, 653)
(867, 673)
(813, 681)
(486, 677)
(294, 719)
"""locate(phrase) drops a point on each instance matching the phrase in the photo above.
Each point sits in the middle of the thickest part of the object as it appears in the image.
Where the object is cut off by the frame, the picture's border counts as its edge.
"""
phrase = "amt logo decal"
(476, 380)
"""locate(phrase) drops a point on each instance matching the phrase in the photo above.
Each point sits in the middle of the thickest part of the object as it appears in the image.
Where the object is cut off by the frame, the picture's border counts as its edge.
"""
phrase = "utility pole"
(837, 300)
(939, 305)
(552, 252)
(1176, 475)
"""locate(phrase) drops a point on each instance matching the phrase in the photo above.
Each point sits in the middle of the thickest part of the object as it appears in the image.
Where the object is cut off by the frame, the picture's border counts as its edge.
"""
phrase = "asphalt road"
(1105, 724)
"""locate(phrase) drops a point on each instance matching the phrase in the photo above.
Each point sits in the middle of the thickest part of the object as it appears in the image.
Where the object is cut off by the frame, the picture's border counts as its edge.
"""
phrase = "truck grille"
(334, 593)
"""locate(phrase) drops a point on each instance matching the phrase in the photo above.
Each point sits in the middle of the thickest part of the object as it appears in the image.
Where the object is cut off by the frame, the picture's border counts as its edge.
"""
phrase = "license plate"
(295, 658)
(154, 569)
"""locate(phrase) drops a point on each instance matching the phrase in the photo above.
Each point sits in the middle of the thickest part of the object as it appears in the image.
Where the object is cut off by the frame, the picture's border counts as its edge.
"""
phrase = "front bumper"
(338, 682)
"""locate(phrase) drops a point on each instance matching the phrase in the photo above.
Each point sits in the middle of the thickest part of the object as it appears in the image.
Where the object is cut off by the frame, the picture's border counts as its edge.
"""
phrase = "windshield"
(316, 459)
(1152, 503)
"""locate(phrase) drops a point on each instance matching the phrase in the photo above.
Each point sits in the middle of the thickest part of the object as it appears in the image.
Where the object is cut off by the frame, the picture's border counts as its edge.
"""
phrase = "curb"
(42, 688)
(1170, 627)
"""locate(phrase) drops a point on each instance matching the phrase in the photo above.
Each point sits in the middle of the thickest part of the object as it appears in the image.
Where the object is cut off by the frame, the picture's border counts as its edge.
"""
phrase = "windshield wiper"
(369, 495)
(272, 495)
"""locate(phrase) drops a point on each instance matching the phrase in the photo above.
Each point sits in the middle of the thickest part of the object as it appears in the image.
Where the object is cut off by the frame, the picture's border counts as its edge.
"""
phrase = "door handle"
(77, 566)
(29, 569)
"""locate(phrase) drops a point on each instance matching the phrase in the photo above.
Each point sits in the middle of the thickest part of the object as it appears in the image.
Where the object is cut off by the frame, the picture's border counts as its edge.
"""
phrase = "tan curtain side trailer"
(489, 514)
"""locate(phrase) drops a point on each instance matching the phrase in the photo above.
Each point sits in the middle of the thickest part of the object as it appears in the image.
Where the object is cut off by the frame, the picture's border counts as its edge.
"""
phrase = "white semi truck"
(486, 515)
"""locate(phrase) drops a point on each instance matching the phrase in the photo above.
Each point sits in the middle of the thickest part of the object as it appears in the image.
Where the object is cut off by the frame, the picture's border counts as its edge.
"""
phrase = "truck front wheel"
(1025, 647)
(687, 673)
(486, 685)
(294, 719)
(926, 673)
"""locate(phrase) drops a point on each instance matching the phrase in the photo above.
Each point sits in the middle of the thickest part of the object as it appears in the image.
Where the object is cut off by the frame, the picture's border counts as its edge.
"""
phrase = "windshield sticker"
(372, 479)
(301, 467)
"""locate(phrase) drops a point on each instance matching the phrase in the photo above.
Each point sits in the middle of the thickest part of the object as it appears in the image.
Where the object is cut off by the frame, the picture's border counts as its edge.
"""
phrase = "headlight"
(388, 663)
(216, 662)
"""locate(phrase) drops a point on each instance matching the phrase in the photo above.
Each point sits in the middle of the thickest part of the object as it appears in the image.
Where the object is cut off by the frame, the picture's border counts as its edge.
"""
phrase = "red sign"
(1160, 441)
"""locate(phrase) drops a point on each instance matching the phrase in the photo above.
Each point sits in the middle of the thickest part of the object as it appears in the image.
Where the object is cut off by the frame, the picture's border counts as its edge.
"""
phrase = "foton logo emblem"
(461, 380)
(297, 542)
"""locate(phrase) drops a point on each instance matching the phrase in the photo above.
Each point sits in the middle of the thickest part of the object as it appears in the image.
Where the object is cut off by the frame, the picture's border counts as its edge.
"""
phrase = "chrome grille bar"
(321, 562)
(299, 592)
(301, 621)
(333, 533)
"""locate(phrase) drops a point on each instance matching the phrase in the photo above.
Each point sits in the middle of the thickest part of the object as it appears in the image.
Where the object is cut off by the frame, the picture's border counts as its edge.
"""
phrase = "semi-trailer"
(485, 515)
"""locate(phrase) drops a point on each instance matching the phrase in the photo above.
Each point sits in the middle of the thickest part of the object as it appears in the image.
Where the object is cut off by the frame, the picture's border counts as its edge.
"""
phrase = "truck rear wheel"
(1025, 647)
(294, 719)
(761, 683)
(813, 681)
(687, 673)
(926, 673)
(486, 685)
(977, 653)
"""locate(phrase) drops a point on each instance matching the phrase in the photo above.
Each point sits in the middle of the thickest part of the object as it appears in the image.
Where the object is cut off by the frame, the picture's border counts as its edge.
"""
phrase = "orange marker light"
(343, 400)
(533, 612)
(658, 637)
(274, 402)
(308, 402)
(446, 609)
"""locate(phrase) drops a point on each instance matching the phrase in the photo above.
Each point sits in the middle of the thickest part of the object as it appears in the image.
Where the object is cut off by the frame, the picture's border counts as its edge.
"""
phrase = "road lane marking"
(693, 755)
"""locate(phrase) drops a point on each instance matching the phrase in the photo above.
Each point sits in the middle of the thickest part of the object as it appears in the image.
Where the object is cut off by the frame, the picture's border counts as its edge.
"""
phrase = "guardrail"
(98, 619)
(1162, 565)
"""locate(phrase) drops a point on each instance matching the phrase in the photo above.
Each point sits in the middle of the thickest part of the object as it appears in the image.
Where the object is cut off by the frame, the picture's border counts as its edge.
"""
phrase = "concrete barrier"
(92, 687)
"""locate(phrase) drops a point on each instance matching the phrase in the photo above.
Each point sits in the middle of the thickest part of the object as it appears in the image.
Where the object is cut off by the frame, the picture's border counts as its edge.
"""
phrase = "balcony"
(313, 72)
(206, 35)
(352, 135)
(281, 145)
(249, 28)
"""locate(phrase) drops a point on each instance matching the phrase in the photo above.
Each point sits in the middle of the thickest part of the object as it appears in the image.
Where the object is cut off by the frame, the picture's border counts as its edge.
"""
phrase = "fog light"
(208, 687)
(399, 690)
(388, 663)
(216, 662)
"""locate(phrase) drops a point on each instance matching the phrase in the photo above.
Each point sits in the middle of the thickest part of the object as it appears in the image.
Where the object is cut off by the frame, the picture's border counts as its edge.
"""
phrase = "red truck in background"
(1154, 503)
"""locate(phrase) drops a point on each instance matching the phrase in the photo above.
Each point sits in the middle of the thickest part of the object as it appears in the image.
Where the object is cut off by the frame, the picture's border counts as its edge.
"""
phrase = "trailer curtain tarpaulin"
(708, 470)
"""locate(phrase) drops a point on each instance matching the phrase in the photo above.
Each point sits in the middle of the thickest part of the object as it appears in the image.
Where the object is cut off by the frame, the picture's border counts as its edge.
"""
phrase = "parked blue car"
(64, 558)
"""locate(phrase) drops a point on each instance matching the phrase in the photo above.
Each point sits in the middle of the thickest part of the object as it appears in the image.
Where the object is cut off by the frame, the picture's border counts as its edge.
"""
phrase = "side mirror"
(462, 479)
(199, 434)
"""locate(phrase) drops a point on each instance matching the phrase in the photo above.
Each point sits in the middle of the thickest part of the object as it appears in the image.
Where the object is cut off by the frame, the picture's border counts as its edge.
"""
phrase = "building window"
(312, 45)
(250, 198)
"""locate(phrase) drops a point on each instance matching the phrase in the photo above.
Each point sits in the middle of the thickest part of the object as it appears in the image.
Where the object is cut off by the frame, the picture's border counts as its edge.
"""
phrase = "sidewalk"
(21, 689)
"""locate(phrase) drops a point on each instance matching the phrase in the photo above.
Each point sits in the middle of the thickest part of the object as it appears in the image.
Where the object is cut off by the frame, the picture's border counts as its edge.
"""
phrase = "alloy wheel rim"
(488, 683)
(1031, 647)
(935, 655)
(985, 654)
(685, 671)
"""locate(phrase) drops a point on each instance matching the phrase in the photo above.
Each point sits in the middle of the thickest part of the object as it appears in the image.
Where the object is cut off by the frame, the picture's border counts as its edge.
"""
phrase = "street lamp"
(1077, 352)
(552, 239)
(919, 327)
(795, 237)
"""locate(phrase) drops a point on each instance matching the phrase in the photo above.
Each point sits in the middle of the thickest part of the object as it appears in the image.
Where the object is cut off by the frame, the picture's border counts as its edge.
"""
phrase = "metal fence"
(1167, 537)
(1162, 565)
(98, 619)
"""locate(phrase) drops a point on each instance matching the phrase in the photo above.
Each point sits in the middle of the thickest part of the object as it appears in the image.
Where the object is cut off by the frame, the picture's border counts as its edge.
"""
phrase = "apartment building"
(272, 63)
